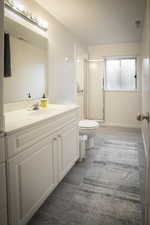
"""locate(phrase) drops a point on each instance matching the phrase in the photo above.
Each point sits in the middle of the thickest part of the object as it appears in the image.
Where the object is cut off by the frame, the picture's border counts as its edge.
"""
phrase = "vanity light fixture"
(22, 11)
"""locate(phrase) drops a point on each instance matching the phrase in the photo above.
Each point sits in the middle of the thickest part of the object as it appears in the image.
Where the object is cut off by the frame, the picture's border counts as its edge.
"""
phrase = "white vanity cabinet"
(38, 159)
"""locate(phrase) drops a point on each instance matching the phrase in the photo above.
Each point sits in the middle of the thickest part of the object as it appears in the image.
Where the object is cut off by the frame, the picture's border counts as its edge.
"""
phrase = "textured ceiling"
(99, 21)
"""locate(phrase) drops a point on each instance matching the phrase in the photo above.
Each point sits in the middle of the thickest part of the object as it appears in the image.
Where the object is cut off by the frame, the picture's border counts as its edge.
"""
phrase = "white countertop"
(25, 117)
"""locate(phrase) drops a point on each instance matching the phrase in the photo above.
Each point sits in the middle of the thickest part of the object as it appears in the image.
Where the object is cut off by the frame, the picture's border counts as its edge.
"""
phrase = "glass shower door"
(96, 90)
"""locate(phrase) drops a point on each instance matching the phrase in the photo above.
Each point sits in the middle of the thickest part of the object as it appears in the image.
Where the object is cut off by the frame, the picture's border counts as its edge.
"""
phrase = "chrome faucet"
(35, 106)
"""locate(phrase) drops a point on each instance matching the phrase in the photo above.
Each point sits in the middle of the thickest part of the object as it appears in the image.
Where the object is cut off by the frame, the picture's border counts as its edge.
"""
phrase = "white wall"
(62, 82)
(121, 107)
(126, 49)
(29, 72)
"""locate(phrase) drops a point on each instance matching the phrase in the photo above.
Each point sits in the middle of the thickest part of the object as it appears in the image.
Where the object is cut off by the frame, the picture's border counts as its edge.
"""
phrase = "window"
(121, 74)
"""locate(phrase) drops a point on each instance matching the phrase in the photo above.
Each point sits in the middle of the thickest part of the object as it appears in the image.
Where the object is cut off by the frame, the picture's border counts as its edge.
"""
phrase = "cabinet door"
(3, 210)
(68, 149)
(30, 180)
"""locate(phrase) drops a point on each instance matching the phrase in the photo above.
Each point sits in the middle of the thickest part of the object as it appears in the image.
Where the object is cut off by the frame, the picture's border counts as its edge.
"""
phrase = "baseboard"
(121, 125)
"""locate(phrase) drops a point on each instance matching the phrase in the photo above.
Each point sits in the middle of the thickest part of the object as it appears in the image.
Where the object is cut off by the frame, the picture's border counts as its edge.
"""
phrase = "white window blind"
(121, 74)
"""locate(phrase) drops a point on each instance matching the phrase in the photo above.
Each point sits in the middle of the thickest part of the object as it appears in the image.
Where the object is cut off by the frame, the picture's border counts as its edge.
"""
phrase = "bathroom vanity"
(41, 147)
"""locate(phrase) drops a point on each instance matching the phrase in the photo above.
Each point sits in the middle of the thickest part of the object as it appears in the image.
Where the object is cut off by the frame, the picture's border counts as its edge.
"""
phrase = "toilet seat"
(88, 124)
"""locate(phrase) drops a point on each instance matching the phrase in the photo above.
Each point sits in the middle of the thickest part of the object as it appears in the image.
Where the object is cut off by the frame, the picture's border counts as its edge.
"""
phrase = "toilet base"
(90, 143)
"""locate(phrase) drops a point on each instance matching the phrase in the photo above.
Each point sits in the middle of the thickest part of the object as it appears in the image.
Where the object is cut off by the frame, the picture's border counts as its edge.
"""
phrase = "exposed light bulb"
(42, 23)
(18, 6)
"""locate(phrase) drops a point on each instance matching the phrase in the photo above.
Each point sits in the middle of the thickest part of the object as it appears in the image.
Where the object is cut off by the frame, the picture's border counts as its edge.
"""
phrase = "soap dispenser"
(44, 101)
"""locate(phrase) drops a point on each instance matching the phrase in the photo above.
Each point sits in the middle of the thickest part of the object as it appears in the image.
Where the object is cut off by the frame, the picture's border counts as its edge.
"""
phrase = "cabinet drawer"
(2, 150)
(26, 138)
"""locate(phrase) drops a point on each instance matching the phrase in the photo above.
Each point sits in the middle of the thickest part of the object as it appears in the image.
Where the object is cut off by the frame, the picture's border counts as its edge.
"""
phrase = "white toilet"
(89, 128)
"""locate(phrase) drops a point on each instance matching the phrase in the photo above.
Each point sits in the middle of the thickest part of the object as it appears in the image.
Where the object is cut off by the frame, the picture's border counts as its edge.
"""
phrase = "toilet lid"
(88, 124)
